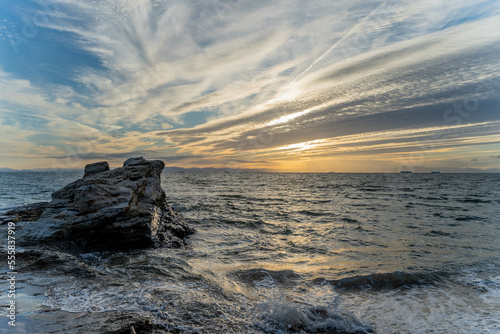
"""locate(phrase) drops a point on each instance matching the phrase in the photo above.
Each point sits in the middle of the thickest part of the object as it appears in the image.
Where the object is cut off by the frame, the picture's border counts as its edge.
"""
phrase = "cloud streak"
(233, 82)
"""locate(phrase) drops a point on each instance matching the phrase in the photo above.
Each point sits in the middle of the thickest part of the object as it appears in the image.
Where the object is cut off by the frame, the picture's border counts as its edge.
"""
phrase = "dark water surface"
(300, 253)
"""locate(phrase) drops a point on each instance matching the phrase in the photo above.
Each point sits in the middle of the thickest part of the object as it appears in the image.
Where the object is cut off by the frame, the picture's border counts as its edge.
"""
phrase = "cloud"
(256, 81)
(390, 90)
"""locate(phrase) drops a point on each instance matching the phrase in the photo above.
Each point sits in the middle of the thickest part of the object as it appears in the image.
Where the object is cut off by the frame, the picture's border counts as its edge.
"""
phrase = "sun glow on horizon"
(302, 146)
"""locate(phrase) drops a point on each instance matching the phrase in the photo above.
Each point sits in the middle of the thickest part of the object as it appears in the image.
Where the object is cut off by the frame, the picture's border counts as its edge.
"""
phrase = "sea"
(296, 253)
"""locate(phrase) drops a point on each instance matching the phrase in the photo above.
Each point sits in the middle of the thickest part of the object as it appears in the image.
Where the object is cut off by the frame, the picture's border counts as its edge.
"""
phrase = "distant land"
(417, 170)
(40, 170)
(166, 170)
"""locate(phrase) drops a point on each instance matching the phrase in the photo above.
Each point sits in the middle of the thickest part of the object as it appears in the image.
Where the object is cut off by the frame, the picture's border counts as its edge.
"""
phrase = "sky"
(278, 85)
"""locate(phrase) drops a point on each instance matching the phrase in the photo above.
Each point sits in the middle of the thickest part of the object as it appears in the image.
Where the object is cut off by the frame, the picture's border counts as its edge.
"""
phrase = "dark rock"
(58, 263)
(134, 161)
(30, 212)
(119, 209)
(109, 322)
(96, 168)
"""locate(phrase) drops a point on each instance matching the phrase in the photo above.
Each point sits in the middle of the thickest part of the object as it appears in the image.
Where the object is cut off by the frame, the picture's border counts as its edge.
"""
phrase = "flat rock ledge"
(107, 210)
(25, 213)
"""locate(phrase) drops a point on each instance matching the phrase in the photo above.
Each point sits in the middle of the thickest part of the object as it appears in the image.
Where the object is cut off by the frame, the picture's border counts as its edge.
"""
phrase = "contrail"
(350, 32)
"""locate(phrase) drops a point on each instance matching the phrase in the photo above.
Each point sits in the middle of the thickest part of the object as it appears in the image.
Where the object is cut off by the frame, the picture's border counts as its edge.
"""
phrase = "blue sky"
(281, 85)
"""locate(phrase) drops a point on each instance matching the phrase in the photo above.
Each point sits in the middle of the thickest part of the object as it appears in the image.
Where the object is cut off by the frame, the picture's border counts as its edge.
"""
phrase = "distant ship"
(406, 172)
(436, 172)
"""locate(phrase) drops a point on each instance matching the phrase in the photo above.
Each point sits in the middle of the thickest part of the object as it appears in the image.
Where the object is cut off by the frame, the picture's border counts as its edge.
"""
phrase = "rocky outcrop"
(119, 209)
(96, 168)
(29, 212)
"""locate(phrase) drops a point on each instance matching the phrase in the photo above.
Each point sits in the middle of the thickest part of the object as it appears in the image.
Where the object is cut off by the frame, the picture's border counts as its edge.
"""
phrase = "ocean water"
(299, 253)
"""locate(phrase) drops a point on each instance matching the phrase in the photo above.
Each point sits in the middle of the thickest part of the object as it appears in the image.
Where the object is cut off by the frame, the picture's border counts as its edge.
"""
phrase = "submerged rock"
(119, 209)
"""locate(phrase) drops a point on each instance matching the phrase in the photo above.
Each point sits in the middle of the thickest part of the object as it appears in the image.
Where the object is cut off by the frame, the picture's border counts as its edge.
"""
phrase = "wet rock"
(119, 209)
(110, 322)
(57, 263)
(30, 212)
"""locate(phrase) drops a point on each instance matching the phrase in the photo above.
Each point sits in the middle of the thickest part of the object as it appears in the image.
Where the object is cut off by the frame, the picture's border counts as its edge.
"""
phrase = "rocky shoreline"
(35, 264)
(25, 213)
(106, 210)
(117, 210)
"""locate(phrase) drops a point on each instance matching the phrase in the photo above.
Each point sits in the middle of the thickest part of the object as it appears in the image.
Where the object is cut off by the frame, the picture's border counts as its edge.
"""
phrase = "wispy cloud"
(217, 82)
(402, 86)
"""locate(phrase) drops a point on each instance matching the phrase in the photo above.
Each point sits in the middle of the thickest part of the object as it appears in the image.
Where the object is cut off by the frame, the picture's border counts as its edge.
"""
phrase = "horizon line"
(257, 170)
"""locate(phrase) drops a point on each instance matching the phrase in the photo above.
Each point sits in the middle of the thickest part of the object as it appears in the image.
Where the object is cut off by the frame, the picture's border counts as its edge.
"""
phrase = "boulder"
(119, 209)
(96, 168)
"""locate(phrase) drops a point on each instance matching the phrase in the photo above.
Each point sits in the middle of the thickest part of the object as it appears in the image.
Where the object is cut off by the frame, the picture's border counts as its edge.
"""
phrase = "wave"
(384, 281)
(8, 208)
(236, 196)
(350, 220)
(256, 275)
(437, 233)
(473, 200)
(245, 223)
(469, 218)
(312, 213)
(281, 316)
(372, 189)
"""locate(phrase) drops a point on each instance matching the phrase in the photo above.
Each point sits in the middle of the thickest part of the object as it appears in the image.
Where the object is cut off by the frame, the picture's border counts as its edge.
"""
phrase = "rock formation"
(119, 209)
(29, 212)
